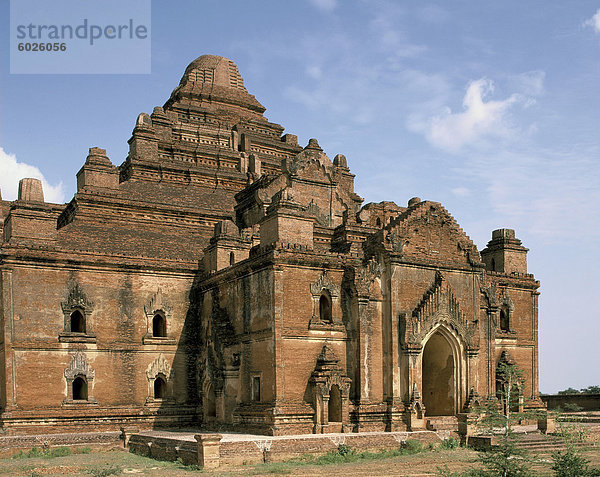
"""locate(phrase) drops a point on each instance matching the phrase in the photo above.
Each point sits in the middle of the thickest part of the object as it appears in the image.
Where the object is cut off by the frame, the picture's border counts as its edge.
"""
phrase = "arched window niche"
(77, 321)
(159, 325)
(80, 389)
(160, 379)
(327, 311)
(159, 321)
(325, 307)
(505, 315)
(160, 387)
(80, 377)
(77, 312)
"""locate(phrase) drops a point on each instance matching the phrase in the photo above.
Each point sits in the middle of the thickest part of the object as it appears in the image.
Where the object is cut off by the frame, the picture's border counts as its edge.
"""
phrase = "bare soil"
(120, 463)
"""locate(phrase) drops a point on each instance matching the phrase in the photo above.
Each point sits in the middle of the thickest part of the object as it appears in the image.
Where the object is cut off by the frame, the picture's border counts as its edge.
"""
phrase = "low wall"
(587, 402)
(257, 450)
(10, 445)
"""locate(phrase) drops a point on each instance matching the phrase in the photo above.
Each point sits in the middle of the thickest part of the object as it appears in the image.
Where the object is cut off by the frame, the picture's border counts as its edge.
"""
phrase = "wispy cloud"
(451, 131)
(324, 5)
(594, 22)
(550, 194)
(13, 171)
(530, 83)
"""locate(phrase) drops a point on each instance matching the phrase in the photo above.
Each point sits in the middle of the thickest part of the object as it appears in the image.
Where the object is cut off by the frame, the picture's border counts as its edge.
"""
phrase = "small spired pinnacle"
(313, 144)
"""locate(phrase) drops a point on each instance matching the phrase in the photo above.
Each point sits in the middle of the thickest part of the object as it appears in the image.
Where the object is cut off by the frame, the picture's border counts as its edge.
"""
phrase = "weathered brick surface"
(288, 306)
(253, 450)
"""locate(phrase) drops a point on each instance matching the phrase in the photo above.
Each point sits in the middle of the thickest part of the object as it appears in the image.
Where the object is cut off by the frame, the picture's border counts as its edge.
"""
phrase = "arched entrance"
(439, 377)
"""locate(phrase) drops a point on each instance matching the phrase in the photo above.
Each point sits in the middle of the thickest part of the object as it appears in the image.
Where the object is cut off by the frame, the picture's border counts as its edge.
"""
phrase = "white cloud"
(480, 118)
(13, 171)
(461, 192)
(324, 5)
(594, 22)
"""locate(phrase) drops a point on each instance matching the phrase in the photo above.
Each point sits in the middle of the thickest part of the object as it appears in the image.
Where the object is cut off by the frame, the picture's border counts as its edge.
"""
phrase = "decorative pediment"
(427, 231)
(79, 367)
(311, 162)
(506, 358)
(439, 304)
(328, 372)
(324, 282)
(157, 303)
(159, 366)
(367, 280)
(76, 299)
(490, 294)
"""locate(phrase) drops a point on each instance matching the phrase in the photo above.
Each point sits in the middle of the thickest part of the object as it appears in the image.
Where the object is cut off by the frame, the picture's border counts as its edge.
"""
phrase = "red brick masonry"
(239, 449)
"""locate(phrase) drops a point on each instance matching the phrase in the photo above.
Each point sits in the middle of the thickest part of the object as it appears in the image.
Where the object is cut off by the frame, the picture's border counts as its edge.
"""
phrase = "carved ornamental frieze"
(438, 305)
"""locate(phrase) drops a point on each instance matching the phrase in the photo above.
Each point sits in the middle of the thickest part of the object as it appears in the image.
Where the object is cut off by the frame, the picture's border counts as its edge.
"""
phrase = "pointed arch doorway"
(442, 374)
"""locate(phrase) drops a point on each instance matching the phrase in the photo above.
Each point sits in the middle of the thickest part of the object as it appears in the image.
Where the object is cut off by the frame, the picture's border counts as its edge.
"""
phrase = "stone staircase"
(535, 442)
(442, 423)
(542, 443)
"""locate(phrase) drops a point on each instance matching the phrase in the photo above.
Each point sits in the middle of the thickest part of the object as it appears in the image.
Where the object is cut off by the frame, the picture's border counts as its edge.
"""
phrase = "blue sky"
(491, 108)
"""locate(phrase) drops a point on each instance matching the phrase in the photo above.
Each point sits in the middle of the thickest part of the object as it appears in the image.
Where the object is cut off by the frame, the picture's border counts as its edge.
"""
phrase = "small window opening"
(504, 321)
(80, 391)
(325, 307)
(160, 388)
(77, 322)
(335, 404)
(210, 402)
(159, 326)
(231, 258)
(378, 222)
(493, 265)
(256, 388)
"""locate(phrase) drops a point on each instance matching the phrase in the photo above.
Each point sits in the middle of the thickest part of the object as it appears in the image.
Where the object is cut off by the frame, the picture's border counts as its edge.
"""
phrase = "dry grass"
(103, 464)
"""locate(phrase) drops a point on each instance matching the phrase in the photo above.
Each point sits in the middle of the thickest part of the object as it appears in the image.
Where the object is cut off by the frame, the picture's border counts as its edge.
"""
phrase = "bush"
(344, 450)
(412, 446)
(569, 464)
(47, 453)
(450, 443)
(571, 407)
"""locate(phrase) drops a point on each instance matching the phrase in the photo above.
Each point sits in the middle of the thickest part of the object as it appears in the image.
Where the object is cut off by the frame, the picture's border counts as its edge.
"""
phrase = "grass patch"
(344, 454)
(48, 453)
(111, 469)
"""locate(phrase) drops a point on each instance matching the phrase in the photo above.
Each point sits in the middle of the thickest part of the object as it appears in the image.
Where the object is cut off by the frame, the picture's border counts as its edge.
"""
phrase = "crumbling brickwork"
(223, 276)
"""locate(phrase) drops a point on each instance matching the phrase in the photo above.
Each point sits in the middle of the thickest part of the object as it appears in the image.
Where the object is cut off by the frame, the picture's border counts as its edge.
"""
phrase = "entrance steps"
(442, 423)
(541, 443)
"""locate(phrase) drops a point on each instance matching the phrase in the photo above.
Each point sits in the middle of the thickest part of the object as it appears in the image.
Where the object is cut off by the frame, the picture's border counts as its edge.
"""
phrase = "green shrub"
(48, 453)
(412, 446)
(569, 463)
(345, 450)
(450, 443)
(571, 407)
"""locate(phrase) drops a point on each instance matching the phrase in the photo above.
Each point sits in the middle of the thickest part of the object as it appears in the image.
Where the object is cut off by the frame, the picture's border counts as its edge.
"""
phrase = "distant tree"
(569, 391)
(591, 390)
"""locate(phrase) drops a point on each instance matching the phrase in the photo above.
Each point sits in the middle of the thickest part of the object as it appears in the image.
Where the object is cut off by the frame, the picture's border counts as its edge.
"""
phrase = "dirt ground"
(121, 463)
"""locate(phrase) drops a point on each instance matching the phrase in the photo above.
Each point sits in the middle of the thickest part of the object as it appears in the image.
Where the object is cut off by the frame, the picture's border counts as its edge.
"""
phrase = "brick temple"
(225, 277)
